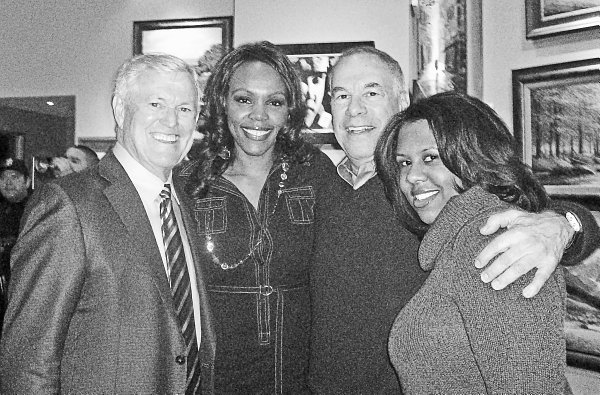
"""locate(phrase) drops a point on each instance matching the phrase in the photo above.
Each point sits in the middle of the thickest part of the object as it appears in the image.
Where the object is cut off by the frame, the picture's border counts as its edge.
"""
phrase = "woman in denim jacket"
(254, 188)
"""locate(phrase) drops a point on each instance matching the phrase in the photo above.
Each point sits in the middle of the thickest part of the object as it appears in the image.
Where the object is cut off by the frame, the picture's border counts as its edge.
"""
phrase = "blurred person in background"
(15, 191)
(76, 159)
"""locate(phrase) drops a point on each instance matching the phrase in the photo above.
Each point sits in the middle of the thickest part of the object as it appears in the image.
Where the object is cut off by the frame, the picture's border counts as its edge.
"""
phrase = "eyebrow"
(244, 90)
(164, 99)
(422, 151)
(367, 85)
(337, 89)
(373, 85)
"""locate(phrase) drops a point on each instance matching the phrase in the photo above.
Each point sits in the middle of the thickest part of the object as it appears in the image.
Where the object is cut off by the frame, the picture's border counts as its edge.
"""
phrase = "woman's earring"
(225, 154)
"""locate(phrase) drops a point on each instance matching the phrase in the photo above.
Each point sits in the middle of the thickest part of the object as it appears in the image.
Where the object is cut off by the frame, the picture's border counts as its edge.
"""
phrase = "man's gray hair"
(391, 63)
(128, 73)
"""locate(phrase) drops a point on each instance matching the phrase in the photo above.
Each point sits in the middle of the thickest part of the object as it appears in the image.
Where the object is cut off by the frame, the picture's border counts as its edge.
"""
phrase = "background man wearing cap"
(14, 189)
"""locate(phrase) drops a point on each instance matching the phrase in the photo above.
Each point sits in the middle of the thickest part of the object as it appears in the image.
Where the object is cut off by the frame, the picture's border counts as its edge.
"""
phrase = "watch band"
(575, 223)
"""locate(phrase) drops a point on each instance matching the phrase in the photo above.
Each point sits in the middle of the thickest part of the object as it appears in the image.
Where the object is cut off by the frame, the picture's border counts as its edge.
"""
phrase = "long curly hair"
(216, 151)
(474, 144)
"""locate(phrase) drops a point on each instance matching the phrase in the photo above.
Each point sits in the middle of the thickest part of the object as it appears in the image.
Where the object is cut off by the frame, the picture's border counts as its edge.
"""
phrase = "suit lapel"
(126, 202)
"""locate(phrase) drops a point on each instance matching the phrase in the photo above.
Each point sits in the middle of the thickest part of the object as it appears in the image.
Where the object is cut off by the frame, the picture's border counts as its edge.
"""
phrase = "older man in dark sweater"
(366, 266)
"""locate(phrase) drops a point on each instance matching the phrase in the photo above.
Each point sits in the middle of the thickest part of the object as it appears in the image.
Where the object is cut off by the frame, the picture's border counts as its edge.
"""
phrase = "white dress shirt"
(149, 187)
(359, 178)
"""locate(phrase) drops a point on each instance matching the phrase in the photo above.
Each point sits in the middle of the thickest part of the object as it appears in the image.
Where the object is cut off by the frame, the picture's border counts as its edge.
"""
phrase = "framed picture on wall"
(557, 124)
(551, 17)
(194, 40)
(448, 48)
(312, 62)
(556, 118)
(441, 45)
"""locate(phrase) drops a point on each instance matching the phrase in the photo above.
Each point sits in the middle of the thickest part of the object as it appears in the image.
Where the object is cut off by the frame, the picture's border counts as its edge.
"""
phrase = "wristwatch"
(575, 224)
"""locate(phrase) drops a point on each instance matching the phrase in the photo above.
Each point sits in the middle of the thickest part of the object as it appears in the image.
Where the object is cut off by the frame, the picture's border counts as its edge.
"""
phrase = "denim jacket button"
(180, 359)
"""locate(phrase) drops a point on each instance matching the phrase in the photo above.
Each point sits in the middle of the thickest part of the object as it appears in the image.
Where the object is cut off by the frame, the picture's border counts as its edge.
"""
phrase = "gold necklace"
(210, 244)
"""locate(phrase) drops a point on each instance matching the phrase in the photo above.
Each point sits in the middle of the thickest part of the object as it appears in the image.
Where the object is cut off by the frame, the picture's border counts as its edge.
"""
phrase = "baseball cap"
(14, 164)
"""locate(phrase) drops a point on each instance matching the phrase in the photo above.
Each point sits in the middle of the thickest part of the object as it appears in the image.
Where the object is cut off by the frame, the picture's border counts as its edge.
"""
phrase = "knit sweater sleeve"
(517, 343)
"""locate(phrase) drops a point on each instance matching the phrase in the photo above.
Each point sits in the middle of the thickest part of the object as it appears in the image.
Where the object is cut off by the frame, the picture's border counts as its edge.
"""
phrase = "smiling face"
(157, 119)
(364, 96)
(424, 180)
(257, 109)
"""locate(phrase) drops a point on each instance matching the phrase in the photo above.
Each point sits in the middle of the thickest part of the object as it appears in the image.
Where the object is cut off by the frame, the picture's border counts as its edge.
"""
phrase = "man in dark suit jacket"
(90, 303)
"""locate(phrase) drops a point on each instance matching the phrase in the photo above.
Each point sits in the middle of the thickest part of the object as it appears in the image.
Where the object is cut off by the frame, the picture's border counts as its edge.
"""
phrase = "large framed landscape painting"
(556, 121)
(557, 124)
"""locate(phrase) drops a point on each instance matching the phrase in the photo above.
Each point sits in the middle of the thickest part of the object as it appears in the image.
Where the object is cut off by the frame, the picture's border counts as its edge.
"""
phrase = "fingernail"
(485, 277)
(478, 264)
(527, 293)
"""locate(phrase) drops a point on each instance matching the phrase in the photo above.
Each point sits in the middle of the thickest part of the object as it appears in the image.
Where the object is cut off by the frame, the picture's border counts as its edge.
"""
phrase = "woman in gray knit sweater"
(448, 162)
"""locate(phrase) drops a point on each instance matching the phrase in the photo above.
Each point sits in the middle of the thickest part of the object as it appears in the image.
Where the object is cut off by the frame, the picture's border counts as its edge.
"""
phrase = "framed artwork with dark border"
(557, 125)
(551, 17)
(556, 122)
(312, 61)
(447, 46)
(194, 40)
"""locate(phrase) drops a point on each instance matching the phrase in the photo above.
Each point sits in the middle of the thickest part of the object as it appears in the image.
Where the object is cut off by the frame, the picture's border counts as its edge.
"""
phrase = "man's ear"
(404, 100)
(118, 106)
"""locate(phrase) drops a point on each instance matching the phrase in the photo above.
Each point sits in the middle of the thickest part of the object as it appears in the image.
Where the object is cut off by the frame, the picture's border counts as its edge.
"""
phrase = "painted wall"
(74, 47)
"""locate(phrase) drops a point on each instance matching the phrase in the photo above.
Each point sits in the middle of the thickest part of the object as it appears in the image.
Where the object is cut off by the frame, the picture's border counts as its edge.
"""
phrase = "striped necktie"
(179, 279)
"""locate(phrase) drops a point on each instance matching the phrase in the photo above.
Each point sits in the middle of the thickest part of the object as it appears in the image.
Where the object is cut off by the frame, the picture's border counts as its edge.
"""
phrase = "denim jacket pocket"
(300, 203)
(211, 215)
